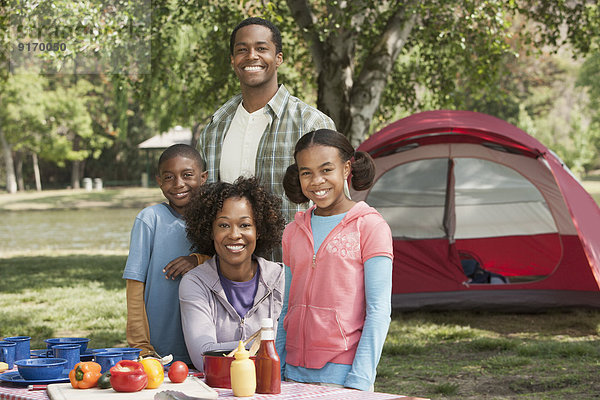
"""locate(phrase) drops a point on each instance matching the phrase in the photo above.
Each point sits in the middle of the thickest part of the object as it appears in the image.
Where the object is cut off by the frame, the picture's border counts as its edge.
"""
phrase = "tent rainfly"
(466, 192)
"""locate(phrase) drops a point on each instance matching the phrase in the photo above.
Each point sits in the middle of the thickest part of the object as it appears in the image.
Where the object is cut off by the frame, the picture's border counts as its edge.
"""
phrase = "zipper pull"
(314, 264)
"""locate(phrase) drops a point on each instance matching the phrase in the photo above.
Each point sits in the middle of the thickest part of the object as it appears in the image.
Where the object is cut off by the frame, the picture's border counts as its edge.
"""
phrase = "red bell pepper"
(128, 376)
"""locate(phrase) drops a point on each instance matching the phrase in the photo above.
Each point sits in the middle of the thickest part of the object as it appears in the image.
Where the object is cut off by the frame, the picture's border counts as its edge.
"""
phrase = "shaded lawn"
(75, 295)
(476, 355)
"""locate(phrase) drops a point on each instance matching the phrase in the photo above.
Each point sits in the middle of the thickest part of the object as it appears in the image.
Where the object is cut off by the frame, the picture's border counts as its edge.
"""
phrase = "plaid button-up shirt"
(290, 118)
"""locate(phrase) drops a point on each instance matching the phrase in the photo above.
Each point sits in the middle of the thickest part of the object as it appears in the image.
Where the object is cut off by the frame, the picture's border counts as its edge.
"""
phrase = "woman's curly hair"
(208, 200)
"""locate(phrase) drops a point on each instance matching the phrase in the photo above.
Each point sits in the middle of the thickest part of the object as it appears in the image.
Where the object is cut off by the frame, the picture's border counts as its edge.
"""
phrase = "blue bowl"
(82, 342)
(41, 368)
(129, 353)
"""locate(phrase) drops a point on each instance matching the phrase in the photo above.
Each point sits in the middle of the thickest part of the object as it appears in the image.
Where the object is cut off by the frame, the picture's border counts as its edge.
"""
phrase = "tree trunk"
(75, 176)
(349, 93)
(370, 84)
(11, 180)
(36, 172)
(336, 80)
(333, 62)
(75, 166)
(19, 171)
(196, 131)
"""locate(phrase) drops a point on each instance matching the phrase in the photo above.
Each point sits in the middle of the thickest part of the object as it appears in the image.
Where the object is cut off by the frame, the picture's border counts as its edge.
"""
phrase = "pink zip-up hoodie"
(326, 307)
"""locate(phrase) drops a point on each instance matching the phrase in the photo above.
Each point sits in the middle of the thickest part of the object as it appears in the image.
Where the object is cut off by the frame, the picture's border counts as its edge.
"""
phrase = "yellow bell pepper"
(155, 372)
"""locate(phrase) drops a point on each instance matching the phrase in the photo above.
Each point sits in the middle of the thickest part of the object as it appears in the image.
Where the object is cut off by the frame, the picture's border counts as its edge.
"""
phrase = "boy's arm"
(138, 332)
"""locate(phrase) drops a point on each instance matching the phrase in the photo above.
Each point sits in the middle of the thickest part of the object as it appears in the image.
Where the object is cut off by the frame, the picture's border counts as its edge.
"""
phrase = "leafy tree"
(371, 55)
(555, 110)
(190, 63)
(54, 124)
(11, 181)
(70, 136)
(22, 122)
(589, 80)
(99, 37)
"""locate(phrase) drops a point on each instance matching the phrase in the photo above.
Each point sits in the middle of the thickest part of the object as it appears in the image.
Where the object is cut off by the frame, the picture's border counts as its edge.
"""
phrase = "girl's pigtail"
(291, 185)
(363, 171)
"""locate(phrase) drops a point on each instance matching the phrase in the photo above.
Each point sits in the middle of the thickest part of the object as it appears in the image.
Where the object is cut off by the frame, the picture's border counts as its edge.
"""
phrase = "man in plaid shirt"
(255, 132)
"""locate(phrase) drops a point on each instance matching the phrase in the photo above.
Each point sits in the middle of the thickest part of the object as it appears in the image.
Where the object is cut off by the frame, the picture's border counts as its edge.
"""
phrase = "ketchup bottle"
(268, 366)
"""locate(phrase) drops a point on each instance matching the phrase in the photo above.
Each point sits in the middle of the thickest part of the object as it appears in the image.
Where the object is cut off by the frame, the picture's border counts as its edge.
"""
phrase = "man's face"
(255, 58)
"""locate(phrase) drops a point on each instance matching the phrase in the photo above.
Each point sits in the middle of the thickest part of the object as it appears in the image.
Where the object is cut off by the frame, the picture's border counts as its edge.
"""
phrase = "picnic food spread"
(85, 375)
(243, 373)
(128, 376)
(178, 371)
(155, 371)
(104, 381)
(130, 379)
(268, 365)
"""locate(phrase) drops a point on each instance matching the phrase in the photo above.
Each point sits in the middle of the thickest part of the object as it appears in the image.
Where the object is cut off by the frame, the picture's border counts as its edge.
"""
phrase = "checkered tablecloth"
(294, 390)
(288, 391)
(12, 392)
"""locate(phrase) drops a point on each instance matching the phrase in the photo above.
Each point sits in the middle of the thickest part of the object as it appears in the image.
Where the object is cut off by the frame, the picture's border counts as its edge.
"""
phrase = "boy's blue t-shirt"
(158, 236)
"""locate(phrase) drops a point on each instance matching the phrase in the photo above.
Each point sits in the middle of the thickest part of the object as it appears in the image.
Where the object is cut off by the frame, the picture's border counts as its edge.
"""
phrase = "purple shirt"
(240, 294)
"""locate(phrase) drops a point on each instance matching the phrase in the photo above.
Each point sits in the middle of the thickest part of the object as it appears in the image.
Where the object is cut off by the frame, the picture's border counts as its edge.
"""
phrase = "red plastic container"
(216, 369)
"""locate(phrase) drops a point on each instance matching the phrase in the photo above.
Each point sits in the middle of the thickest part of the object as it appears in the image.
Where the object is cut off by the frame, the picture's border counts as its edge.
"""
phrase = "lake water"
(98, 229)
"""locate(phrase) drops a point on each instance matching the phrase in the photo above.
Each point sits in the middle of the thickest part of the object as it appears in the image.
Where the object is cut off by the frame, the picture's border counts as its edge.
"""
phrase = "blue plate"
(87, 356)
(15, 377)
(38, 353)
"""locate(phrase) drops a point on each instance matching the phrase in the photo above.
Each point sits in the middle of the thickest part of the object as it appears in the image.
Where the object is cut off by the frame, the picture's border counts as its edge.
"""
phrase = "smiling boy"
(254, 132)
(158, 250)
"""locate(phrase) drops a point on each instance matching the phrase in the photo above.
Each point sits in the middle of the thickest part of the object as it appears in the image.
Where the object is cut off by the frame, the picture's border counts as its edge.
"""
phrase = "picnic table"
(289, 390)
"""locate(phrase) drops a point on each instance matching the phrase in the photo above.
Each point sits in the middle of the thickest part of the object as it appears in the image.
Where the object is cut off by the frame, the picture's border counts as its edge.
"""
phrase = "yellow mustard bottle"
(242, 373)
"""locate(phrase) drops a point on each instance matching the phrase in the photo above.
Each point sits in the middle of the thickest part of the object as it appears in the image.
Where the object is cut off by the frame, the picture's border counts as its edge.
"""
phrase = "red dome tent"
(458, 186)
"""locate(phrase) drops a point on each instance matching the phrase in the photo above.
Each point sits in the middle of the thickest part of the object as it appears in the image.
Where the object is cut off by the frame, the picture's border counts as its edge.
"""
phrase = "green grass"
(475, 355)
(449, 355)
(72, 295)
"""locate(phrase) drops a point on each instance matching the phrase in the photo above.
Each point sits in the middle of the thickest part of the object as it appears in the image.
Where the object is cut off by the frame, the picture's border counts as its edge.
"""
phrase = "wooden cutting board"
(192, 386)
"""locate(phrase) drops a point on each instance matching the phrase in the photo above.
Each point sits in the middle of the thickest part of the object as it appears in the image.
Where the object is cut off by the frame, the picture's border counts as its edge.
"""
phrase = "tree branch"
(369, 87)
(306, 19)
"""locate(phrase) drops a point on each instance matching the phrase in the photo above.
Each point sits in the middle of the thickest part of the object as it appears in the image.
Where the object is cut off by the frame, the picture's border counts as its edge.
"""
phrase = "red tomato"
(178, 371)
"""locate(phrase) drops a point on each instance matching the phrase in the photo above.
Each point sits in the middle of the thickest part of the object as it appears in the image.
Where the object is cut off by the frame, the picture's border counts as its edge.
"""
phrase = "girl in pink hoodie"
(338, 264)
